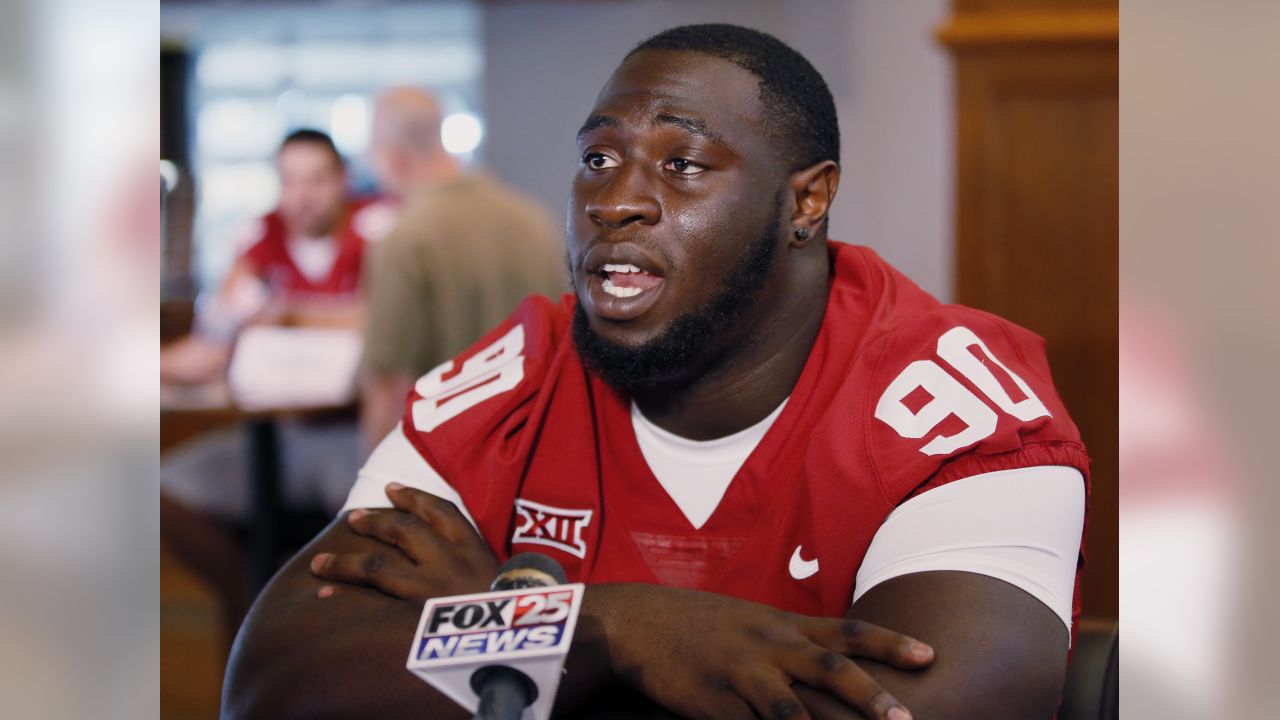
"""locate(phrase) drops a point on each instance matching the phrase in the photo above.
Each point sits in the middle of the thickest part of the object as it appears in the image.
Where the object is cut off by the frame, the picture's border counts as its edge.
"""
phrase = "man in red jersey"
(298, 265)
(758, 448)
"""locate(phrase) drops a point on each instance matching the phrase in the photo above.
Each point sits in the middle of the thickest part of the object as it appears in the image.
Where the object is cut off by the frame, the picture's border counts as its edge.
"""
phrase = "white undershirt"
(314, 257)
(1022, 526)
(696, 473)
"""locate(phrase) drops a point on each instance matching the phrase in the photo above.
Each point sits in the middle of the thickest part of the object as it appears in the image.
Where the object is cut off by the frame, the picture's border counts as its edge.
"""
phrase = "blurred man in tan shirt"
(465, 250)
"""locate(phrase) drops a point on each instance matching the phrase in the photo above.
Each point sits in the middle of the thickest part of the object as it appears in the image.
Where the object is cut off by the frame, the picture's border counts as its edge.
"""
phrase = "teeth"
(621, 292)
(623, 268)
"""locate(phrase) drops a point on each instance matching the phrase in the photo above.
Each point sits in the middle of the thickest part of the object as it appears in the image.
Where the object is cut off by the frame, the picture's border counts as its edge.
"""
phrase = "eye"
(684, 166)
(599, 161)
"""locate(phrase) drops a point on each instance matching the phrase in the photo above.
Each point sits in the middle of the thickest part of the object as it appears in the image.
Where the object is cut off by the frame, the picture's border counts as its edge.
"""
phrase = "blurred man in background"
(465, 250)
(300, 266)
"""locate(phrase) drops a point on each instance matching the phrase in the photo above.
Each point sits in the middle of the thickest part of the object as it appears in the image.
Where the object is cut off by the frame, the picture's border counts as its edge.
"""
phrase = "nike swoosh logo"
(801, 568)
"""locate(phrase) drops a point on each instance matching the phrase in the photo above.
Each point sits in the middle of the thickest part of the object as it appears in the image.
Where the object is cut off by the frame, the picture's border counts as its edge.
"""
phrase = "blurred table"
(189, 410)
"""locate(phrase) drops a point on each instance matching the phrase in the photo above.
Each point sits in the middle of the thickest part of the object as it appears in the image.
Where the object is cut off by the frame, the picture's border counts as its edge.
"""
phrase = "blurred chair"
(1093, 679)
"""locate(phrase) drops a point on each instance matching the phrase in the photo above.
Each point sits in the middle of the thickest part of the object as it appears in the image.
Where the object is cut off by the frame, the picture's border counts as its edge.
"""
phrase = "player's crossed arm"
(696, 654)
(1000, 652)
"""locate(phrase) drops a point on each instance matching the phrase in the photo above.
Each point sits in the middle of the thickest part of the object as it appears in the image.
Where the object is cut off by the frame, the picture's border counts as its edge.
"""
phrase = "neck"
(325, 233)
(313, 237)
(752, 383)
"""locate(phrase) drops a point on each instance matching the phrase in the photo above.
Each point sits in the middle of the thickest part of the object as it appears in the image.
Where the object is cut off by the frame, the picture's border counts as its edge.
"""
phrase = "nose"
(625, 197)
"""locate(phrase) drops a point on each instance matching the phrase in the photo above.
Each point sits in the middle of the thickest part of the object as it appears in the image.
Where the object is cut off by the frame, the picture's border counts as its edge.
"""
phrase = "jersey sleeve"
(470, 417)
(1020, 526)
(957, 392)
(397, 460)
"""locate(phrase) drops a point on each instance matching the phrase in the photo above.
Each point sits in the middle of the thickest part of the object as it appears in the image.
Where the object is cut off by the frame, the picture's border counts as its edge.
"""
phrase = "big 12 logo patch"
(555, 527)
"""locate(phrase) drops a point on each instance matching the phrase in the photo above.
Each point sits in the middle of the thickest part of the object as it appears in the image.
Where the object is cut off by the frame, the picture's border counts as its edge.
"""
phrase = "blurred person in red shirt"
(301, 266)
(301, 263)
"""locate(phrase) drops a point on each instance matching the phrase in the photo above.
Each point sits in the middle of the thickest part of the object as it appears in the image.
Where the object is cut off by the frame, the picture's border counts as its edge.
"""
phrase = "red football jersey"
(900, 394)
(268, 255)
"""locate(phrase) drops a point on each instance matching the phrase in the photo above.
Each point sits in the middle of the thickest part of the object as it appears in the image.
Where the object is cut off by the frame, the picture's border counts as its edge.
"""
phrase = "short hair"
(313, 137)
(799, 110)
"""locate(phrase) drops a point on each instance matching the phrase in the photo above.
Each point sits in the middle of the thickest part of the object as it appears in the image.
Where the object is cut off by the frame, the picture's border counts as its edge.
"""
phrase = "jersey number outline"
(490, 372)
(952, 398)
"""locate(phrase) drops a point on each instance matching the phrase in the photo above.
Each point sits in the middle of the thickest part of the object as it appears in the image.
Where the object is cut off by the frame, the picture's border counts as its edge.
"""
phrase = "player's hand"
(705, 655)
(426, 548)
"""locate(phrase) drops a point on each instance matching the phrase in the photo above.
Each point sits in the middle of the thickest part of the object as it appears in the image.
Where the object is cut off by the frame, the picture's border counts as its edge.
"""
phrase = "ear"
(813, 189)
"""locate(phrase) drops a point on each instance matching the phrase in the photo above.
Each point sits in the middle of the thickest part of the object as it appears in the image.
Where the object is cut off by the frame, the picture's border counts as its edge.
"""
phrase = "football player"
(768, 454)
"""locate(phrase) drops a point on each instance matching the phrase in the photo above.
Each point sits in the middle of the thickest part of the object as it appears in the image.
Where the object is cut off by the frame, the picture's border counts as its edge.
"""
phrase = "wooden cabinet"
(1037, 210)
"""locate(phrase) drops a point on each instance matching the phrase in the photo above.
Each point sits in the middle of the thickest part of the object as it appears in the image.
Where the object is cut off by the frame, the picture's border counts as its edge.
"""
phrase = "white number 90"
(952, 398)
(492, 371)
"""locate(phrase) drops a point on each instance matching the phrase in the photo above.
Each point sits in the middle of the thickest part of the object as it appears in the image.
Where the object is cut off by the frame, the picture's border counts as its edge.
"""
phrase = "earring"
(802, 233)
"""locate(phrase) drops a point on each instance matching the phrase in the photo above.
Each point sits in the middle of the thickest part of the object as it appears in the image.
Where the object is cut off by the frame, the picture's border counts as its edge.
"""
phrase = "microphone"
(499, 654)
(505, 691)
(527, 570)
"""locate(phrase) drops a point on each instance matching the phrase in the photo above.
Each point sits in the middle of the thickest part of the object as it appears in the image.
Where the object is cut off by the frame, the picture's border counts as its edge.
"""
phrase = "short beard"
(693, 344)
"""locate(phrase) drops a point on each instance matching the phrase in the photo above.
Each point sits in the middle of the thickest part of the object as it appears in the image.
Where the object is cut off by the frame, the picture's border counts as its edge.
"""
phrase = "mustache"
(575, 263)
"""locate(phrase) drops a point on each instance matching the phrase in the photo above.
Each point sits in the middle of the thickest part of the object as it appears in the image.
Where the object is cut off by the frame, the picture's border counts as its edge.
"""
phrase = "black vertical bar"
(264, 472)
(175, 116)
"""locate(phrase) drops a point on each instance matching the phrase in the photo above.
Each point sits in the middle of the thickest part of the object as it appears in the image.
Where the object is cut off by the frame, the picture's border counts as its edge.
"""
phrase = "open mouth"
(622, 291)
(626, 280)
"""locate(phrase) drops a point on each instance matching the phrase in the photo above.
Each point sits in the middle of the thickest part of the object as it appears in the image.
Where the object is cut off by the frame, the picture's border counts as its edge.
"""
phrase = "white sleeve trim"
(1021, 526)
(397, 460)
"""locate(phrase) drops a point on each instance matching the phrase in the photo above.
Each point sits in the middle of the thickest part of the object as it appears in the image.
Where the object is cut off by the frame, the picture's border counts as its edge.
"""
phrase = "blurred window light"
(335, 65)
(349, 124)
(239, 128)
(461, 133)
(241, 66)
(291, 106)
(235, 187)
(232, 197)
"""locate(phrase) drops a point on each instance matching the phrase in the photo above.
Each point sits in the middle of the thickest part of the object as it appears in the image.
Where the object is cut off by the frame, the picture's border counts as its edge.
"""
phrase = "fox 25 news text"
(528, 630)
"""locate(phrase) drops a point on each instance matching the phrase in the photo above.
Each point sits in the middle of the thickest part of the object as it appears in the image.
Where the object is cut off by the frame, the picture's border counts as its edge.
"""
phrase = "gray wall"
(545, 62)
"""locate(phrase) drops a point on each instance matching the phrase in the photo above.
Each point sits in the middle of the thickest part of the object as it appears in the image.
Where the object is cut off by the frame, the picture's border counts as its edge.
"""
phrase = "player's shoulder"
(485, 385)
(942, 327)
(904, 321)
(956, 391)
(544, 321)
(944, 390)
(533, 330)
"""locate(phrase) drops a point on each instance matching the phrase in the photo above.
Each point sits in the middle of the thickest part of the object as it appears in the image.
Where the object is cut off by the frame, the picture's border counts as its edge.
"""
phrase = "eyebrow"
(690, 125)
(597, 121)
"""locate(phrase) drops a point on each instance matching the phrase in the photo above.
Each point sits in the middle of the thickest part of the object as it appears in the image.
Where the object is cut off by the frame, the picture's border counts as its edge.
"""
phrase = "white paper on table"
(279, 367)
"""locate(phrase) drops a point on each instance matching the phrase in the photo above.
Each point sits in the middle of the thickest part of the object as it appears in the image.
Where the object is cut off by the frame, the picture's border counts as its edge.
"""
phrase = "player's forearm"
(588, 670)
(337, 657)
(1008, 660)
(343, 657)
(995, 693)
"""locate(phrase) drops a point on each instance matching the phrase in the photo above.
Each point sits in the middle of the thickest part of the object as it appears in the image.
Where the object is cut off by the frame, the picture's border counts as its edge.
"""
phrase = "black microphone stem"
(504, 696)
